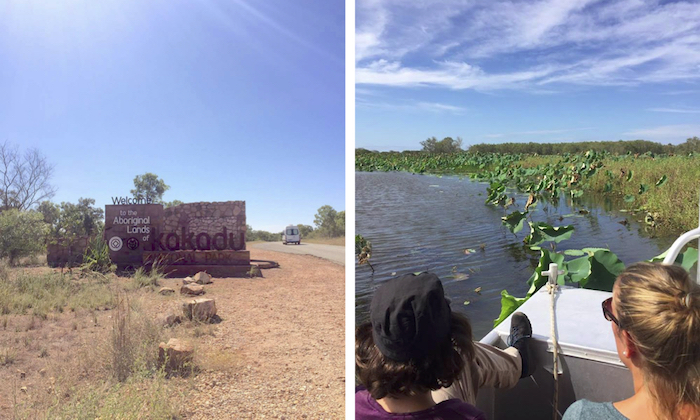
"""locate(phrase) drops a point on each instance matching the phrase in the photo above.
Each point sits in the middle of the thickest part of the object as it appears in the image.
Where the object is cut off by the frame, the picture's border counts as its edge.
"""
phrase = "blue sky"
(223, 99)
(521, 71)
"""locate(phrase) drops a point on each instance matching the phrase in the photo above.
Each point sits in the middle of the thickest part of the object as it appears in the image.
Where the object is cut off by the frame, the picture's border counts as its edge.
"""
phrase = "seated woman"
(655, 315)
(414, 344)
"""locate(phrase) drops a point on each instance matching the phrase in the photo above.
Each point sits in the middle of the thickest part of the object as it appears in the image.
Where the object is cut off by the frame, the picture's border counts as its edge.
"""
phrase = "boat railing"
(679, 243)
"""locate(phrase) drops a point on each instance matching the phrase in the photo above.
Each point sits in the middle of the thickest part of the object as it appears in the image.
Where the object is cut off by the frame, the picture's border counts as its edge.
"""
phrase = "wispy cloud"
(418, 106)
(666, 133)
(676, 110)
(525, 45)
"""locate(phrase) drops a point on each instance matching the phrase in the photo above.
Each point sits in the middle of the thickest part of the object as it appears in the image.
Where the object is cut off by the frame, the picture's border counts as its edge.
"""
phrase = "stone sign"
(183, 238)
(130, 230)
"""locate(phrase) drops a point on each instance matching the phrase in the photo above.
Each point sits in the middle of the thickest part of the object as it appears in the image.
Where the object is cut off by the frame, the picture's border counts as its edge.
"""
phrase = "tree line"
(328, 222)
(620, 147)
(29, 220)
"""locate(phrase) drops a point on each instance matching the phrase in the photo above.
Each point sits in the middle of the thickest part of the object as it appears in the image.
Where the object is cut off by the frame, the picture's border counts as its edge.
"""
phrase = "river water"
(425, 223)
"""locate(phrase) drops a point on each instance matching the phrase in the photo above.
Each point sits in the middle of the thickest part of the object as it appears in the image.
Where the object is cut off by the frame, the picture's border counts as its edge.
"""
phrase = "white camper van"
(291, 235)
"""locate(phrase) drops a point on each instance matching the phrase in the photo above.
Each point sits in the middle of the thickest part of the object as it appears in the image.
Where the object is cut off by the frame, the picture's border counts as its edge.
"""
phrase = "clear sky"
(223, 99)
(521, 71)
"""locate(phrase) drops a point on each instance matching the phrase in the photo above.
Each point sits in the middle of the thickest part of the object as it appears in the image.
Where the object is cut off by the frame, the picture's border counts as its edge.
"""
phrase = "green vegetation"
(692, 145)
(149, 186)
(96, 256)
(660, 189)
(363, 251)
(39, 294)
(21, 234)
(446, 145)
(147, 277)
(330, 224)
(68, 222)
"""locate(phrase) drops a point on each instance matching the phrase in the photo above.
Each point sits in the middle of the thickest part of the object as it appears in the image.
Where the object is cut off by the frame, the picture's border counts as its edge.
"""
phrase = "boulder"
(175, 355)
(166, 291)
(202, 278)
(188, 280)
(192, 289)
(199, 309)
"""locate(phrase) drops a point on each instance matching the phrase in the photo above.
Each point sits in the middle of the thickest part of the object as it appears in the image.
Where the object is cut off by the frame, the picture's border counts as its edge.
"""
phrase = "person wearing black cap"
(414, 344)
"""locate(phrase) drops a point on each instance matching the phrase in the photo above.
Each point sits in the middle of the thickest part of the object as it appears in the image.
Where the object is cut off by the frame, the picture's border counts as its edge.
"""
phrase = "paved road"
(332, 253)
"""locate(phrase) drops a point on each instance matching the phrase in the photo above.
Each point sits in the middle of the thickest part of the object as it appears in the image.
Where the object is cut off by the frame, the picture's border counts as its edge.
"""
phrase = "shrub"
(96, 256)
(147, 278)
(22, 233)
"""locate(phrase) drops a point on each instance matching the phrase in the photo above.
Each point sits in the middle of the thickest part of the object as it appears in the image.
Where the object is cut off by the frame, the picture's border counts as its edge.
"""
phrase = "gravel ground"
(279, 349)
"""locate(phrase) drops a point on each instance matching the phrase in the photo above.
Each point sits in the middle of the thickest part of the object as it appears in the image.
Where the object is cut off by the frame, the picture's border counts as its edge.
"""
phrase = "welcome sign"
(129, 231)
(195, 235)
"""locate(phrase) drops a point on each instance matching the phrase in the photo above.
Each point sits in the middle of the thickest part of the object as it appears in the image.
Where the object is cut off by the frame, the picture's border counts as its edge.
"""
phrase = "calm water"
(425, 223)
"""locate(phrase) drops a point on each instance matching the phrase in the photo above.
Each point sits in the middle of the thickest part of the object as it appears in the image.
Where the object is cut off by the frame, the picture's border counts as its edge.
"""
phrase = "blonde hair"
(659, 306)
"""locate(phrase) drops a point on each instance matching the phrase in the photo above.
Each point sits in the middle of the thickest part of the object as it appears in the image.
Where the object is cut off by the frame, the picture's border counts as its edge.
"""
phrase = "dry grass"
(40, 293)
(92, 362)
(340, 241)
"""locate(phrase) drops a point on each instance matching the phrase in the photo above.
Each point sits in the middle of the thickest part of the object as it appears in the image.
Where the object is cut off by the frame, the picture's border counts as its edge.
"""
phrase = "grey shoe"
(520, 334)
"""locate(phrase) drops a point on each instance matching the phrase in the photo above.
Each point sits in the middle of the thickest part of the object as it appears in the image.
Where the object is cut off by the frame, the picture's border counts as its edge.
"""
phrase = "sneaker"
(520, 334)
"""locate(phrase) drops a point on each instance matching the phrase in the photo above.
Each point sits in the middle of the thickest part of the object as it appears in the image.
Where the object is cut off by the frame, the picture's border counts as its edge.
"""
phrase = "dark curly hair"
(386, 377)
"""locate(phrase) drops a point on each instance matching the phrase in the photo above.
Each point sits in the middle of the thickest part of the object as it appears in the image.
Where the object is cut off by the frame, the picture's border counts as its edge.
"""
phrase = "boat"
(587, 364)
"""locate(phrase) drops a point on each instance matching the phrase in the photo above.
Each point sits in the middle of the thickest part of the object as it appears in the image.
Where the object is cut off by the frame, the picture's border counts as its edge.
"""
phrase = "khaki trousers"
(491, 367)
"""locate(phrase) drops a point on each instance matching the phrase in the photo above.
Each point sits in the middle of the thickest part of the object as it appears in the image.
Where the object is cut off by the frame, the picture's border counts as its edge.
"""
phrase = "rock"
(188, 280)
(202, 278)
(192, 289)
(22, 374)
(175, 355)
(171, 320)
(166, 291)
(199, 309)
(255, 271)
(23, 389)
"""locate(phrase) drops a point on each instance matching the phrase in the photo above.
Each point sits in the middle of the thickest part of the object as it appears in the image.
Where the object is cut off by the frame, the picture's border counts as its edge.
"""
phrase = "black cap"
(410, 316)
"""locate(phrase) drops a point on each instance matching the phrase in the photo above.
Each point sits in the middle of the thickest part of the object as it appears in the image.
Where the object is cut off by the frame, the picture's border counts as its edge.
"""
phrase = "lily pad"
(543, 232)
(509, 304)
(661, 181)
(579, 269)
(605, 267)
(685, 259)
(514, 221)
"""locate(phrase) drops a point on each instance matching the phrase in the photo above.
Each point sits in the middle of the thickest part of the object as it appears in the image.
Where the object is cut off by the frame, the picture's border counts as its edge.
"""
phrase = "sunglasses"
(607, 311)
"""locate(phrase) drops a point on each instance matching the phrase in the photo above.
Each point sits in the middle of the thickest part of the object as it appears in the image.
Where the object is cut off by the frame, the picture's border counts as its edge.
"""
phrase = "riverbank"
(661, 189)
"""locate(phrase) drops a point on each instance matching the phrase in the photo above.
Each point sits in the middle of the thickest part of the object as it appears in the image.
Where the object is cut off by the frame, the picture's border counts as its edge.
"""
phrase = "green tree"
(172, 203)
(150, 186)
(340, 223)
(305, 230)
(325, 221)
(69, 221)
(22, 233)
(446, 145)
